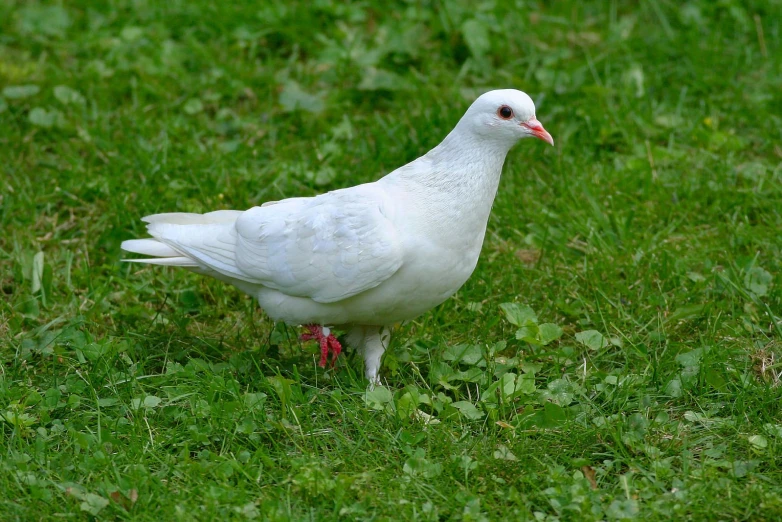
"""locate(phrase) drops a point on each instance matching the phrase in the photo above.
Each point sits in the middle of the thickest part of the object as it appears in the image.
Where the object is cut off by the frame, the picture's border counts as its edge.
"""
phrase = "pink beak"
(538, 131)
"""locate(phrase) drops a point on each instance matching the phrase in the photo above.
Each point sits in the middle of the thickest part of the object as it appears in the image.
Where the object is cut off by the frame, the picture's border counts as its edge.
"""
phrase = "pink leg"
(327, 342)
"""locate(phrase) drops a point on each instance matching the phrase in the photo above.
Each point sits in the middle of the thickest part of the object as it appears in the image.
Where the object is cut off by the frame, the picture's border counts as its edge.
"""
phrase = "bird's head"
(506, 114)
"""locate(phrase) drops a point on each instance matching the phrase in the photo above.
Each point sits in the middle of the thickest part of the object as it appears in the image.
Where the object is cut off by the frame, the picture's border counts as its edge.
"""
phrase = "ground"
(616, 354)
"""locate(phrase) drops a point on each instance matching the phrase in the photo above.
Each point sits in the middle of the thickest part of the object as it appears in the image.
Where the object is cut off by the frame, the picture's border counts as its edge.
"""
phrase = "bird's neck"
(450, 191)
(468, 161)
(464, 170)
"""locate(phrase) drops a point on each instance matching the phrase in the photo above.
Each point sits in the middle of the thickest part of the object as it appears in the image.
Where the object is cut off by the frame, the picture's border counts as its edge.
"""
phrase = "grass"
(647, 242)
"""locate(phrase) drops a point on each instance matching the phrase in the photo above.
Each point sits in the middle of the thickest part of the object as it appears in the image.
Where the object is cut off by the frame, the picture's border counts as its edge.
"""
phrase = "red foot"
(326, 342)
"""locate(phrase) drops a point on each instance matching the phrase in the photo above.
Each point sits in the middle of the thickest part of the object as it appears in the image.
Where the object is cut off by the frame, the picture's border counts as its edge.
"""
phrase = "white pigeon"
(366, 257)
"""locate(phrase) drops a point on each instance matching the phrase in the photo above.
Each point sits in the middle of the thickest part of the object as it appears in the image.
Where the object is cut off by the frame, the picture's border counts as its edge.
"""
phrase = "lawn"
(617, 353)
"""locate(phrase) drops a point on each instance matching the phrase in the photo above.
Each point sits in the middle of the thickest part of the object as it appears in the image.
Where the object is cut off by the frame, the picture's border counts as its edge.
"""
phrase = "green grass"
(650, 235)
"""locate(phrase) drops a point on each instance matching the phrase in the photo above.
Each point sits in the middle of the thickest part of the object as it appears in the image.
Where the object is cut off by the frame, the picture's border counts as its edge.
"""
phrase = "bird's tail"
(172, 234)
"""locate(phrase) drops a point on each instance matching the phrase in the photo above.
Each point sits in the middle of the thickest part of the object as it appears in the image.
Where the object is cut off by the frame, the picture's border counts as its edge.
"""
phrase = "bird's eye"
(505, 112)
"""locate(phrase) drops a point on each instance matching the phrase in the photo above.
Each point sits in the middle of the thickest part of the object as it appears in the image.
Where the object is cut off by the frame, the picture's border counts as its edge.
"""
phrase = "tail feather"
(149, 247)
(189, 218)
(161, 253)
(184, 262)
(194, 241)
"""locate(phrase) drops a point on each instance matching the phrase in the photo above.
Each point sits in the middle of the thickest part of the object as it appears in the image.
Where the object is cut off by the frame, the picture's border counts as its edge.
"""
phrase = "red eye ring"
(505, 112)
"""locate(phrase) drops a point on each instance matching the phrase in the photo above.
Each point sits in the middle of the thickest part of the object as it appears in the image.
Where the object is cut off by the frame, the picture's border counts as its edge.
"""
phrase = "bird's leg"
(375, 348)
(334, 345)
(372, 342)
(326, 340)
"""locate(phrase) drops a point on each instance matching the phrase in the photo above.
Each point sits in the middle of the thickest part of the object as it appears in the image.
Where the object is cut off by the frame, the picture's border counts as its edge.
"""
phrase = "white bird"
(366, 257)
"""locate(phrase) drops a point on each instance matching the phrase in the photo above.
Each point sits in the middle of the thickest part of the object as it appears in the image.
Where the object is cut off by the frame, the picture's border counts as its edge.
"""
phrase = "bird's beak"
(538, 131)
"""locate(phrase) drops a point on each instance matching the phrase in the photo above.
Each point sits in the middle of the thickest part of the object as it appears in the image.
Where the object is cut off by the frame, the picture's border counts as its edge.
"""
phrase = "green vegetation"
(645, 384)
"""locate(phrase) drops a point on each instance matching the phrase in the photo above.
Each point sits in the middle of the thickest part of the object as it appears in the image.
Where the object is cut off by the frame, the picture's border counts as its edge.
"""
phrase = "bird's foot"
(326, 340)
(374, 380)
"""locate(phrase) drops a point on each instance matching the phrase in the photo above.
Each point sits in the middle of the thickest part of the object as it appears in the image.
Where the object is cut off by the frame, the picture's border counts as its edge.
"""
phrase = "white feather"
(149, 247)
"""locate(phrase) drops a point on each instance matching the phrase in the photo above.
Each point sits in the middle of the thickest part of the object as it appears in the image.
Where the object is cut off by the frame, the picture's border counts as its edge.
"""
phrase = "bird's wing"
(327, 248)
